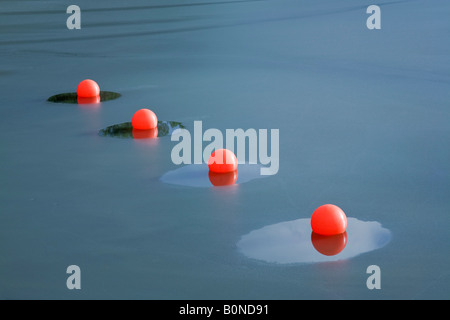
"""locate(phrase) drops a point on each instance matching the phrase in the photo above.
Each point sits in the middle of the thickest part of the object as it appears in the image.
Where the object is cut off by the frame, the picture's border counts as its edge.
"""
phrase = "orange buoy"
(329, 245)
(144, 119)
(222, 160)
(328, 220)
(223, 179)
(88, 88)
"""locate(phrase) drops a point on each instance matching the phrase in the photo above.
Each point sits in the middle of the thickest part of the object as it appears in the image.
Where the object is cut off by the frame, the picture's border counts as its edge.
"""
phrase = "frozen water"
(290, 242)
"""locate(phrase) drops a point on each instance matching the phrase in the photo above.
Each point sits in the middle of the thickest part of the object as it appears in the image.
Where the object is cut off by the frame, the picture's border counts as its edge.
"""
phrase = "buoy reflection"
(88, 100)
(223, 179)
(329, 245)
(145, 134)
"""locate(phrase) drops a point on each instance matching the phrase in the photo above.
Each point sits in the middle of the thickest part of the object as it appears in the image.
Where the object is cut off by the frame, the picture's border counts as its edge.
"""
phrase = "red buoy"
(88, 88)
(144, 119)
(328, 220)
(222, 160)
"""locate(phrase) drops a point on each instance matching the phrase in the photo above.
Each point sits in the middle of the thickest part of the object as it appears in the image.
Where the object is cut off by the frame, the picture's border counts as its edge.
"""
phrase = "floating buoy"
(144, 119)
(223, 179)
(88, 88)
(222, 160)
(328, 220)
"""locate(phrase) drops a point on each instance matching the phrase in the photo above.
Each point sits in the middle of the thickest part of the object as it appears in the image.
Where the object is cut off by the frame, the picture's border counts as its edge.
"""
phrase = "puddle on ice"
(198, 175)
(294, 242)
